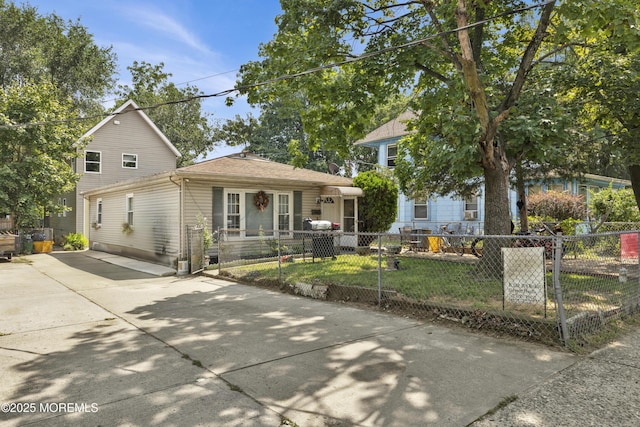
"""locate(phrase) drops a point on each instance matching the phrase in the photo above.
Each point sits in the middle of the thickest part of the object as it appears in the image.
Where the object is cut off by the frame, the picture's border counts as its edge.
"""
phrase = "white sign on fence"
(524, 275)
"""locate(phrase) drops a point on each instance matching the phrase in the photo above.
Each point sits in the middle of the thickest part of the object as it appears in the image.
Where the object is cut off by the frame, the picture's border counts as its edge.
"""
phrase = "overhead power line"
(309, 71)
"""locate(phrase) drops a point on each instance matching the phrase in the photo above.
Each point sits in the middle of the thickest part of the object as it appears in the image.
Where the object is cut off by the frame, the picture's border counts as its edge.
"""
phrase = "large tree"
(465, 80)
(45, 48)
(176, 111)
(467, 64)
(51, 74)
(35, 162)
(604, 78)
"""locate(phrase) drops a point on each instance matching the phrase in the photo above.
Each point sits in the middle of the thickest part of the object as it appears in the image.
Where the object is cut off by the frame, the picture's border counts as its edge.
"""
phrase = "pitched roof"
(243, 167)
(133, 107)
(392, 129)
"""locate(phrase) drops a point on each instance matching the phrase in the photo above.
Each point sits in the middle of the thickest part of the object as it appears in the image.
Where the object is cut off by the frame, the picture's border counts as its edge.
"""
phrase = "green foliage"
(35, 160)
(378, 207)
(556, 205)
(208, 237)
(614, 205)
(183, 123)
(48, 49)
(75, 242)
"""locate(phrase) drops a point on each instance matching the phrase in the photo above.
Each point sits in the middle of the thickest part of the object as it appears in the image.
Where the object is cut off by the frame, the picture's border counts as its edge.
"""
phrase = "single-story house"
(148, 217)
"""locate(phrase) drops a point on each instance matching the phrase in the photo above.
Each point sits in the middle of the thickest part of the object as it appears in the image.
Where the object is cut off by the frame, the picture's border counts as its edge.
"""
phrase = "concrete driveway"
(90, 343)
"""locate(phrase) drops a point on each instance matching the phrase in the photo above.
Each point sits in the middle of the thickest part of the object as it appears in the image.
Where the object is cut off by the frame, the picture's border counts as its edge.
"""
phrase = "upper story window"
(130, 161)
(93, 161)
(392, 153)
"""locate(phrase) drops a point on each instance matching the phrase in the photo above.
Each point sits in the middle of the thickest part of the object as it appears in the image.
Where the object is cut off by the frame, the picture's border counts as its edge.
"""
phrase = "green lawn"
(436, 281)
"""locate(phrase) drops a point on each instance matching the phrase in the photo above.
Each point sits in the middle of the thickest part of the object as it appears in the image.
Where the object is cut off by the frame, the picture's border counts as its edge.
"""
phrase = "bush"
(615, 205)
(559, 206)
(75, 242)
(378, 207)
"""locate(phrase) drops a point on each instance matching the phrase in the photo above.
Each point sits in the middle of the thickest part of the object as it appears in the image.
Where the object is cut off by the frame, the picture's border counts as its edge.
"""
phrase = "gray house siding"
(156, 229)
(131, 133)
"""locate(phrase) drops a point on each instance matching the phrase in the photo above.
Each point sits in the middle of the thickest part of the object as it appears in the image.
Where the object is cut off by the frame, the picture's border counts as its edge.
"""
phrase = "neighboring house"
(240, 191)
(464, 215)
(125, 145)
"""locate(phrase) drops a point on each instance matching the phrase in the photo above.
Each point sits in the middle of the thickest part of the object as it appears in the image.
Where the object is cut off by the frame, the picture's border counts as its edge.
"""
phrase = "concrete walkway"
(124, 347)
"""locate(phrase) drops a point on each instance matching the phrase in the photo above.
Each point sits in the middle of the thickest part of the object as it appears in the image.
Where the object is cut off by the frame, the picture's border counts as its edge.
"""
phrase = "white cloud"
(149, 17)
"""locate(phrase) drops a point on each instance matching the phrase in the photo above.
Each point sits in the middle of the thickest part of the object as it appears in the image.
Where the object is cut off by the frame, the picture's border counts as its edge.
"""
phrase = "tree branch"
(528, 57)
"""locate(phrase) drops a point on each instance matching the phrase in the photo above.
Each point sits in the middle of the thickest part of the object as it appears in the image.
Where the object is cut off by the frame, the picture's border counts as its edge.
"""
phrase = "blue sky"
(203, 42)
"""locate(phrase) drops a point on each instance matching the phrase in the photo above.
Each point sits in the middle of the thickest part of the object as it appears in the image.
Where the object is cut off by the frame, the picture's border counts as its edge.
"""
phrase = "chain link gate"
(195, 242)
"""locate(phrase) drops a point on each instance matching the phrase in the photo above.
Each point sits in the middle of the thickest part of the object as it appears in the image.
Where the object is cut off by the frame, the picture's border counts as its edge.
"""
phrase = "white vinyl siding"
(157, 230)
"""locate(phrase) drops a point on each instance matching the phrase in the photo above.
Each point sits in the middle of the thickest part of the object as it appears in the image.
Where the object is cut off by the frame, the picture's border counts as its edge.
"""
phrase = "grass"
(437, 281)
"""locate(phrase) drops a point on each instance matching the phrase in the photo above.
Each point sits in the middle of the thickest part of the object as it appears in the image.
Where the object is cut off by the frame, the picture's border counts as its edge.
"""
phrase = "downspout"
(180, 214)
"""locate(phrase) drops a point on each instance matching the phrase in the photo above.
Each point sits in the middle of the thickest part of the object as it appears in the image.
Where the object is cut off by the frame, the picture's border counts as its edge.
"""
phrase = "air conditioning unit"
(470, 215)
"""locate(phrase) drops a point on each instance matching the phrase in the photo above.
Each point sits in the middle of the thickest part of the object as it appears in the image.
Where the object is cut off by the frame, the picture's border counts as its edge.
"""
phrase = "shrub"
(615, 205)
(556, 205)
(377, 208)
(75, 242)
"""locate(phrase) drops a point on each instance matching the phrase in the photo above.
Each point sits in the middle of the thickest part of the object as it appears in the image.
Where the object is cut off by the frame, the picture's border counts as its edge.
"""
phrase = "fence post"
(219, 252)
(279, 260)
(557, 289)
(636, 304)
(379, 269)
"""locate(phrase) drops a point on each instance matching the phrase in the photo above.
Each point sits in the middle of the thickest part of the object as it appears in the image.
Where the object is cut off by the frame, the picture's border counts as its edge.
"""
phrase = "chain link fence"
(550, 289)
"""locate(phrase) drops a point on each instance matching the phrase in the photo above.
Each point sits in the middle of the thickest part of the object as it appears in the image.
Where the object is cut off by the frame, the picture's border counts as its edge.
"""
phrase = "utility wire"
(309, 71)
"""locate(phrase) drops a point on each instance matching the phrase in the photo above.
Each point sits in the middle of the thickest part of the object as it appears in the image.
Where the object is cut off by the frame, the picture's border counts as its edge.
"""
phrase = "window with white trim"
(420, 208)
(130, 209)
(284, 219)
(99, 212)
(129, 161)
(233, 210)
(392, 153)
(242, 213)
(93, 161)
(471, 208)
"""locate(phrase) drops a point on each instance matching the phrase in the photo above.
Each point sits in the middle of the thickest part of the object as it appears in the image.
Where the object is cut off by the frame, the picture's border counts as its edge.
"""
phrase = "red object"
(629, 245)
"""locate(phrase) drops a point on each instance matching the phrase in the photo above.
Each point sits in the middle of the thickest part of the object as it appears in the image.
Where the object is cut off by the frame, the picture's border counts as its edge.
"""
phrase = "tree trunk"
(634, 173)
(497, 218)
(522, 199)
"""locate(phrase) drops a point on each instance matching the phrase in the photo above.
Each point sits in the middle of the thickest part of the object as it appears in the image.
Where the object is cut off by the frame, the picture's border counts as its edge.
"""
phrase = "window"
(471, 208)
(558, 187)
(392, 153)
(283, 212)
(420, 210)
(62, 202)
(349, 215)
(130, 209)
(99, 212)
(233, 210)
(130, 161)
(93, 161)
